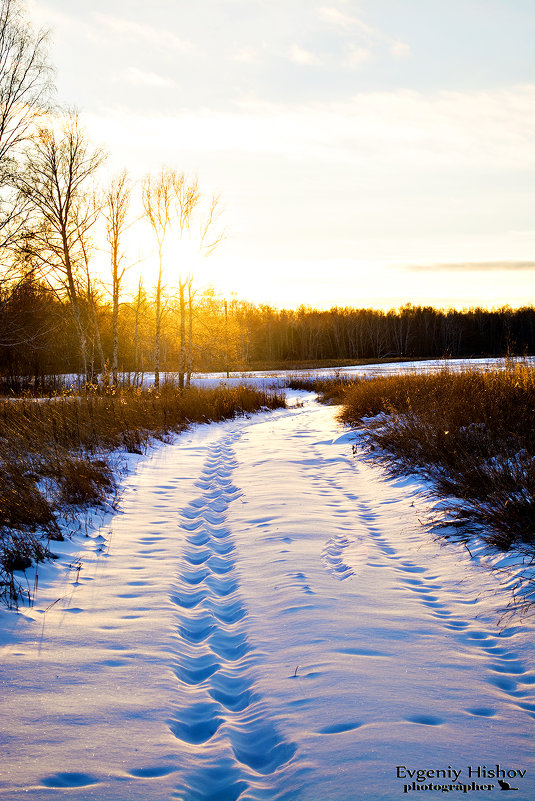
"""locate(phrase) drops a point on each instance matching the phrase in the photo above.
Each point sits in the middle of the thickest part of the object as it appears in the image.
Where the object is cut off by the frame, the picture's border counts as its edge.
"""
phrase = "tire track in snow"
(505, 672)
(348, 550)
(234, 749)
(345, 553)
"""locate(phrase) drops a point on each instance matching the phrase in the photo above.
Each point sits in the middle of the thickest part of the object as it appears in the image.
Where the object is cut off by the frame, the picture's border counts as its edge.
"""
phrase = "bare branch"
(210, 238)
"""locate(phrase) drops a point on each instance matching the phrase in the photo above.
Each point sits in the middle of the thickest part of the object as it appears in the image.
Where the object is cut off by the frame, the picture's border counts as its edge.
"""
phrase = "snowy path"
(267, 620)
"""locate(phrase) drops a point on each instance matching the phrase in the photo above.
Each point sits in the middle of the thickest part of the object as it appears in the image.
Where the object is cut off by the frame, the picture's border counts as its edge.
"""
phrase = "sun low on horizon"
(369, 154)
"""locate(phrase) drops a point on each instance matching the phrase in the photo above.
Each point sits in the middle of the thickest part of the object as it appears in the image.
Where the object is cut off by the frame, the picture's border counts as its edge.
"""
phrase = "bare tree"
(25, 91)
(55, 182)
(117, 202)
(172, 203)
(205, 240)
(189, 349)
(157, 204)
(187, 197)
(210, 236)
(140, 298)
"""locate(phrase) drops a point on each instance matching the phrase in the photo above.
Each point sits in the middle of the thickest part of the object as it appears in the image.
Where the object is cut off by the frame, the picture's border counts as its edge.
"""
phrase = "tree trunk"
(98, 339)
(182, 365)
(115, 328)
(136, 335)
(190, 337)
(226, 341)
(157, 338)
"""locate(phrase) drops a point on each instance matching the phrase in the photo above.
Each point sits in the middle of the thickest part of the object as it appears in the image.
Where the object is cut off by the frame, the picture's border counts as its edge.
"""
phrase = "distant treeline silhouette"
(38, 336)
(410, 331)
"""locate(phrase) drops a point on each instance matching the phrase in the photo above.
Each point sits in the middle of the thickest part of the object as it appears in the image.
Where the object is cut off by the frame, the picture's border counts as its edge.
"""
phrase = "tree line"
(408, 332)
(40, 335)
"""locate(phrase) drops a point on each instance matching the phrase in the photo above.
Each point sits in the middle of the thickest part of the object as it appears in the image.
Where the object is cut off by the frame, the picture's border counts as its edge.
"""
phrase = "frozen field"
(266, 618)
(278, 378)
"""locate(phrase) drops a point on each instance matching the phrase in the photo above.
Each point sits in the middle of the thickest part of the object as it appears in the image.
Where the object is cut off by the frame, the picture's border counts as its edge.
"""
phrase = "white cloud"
(139, 77)
(401, 176)
(62, 25)
(400, 49)
(357, 56)
(382, 132)
(301, 56)
(135, 31)
(247, 55)
(336, 17)
(372, 36)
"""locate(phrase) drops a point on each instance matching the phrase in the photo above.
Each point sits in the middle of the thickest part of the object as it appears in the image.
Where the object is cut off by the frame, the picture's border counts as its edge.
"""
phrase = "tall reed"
(472, 432)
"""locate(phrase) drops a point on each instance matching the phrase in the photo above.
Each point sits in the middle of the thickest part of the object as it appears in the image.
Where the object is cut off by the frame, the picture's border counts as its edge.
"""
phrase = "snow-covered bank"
(279, 378)
(266, 620)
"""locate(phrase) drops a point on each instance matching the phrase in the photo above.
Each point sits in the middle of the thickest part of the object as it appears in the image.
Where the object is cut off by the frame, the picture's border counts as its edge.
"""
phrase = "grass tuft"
(472, 433)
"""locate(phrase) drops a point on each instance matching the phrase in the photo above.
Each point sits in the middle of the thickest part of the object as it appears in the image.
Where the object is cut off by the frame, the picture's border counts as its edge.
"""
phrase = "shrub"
(471, 432)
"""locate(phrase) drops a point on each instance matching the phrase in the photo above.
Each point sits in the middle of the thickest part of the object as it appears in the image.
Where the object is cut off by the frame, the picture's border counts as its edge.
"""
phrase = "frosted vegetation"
(469, 431)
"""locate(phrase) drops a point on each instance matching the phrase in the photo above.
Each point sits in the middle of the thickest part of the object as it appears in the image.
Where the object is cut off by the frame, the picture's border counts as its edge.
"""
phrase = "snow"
(279, 378)
(265, 618)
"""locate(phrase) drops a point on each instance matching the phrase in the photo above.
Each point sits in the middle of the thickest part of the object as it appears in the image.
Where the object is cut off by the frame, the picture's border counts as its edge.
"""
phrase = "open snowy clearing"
(266, 618)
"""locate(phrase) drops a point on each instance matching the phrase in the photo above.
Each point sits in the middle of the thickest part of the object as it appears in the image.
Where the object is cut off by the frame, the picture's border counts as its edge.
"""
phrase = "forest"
(39, 338)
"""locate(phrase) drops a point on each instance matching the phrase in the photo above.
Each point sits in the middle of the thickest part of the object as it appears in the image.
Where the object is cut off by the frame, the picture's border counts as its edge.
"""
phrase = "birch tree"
(157, 204)
(25, 92)
(117, 202)
(56, 184)
(187, 197)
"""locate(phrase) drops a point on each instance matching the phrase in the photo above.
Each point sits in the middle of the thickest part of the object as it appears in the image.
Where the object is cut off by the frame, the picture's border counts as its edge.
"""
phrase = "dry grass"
(54, 454)
(471, 432)
(331, 390)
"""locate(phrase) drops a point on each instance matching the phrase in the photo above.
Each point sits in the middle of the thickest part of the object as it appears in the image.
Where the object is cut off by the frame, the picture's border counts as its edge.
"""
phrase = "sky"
(366, 152)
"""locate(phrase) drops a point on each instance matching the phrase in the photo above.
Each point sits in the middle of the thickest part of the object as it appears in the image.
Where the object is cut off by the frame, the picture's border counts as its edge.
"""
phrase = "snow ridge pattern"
(235, 749)
(504, 670)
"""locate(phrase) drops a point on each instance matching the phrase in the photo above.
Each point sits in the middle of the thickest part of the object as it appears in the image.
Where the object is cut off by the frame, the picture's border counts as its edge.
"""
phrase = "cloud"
(62, 25)
(301, 56)
(400, 49)
(136, 32)
(357, 56)
(476, 266)
(247, 55)
(439, 144)
(400, 138)
(373, 37)
(138, 77)
(336, 17)
(404, 129)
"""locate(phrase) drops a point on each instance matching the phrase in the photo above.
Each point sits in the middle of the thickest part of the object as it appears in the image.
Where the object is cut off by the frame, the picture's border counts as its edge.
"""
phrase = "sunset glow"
(355, 152)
